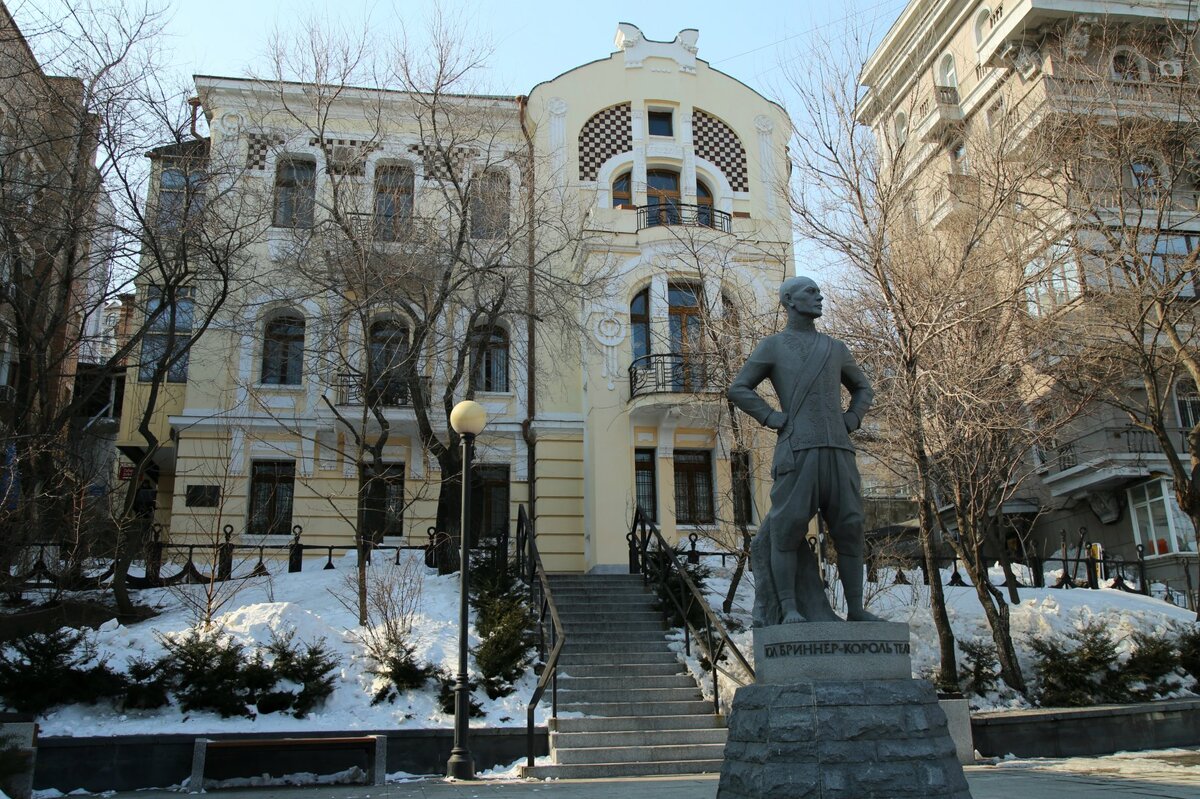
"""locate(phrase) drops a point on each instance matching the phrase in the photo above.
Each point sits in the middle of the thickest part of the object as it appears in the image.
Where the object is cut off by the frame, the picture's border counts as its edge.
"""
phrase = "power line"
(809, 31)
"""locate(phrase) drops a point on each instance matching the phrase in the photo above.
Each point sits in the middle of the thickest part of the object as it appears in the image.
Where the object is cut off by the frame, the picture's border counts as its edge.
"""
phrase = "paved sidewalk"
(1027, 780)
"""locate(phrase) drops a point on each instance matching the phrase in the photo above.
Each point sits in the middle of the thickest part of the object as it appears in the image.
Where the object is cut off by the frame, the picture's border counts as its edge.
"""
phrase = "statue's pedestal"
(835, 714)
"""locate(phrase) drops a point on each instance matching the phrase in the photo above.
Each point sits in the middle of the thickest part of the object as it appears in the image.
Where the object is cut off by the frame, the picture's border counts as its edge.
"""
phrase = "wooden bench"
(374, 745)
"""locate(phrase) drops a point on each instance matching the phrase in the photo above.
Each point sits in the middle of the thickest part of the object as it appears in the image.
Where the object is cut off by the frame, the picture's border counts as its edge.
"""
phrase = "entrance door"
(686, 337)
(381, 503)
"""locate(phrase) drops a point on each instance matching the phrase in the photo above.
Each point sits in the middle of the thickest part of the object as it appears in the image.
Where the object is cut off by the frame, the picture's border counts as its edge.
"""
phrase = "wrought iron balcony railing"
(661, 214)
(672, 373)
(387, 392)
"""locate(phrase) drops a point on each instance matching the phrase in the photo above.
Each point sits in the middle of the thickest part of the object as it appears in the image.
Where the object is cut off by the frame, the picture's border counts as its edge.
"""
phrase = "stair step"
(616, 637)
(640, 695)
(580, 627)
(639, 754)
(621, 671)
(581, 771)
(593, 616)
(693, 721)
(621, 682)
(576, 647)
(673, 708)
(609, 657)
(616, 738)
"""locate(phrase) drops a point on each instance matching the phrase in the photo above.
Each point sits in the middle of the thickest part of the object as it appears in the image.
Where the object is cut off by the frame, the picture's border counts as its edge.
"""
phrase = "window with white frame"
(180, 200)
(1054, 279)
(1159, 524)
(1146, 175)
(981, 26)
(295, 193)
(168, 333)
(900, 128)
(947, 73)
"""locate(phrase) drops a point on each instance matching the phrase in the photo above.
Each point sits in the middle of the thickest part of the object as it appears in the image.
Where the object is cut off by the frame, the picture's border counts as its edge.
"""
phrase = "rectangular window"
(1187, 398)
(1054, 279)
(645, 482)
(295, 194)
(180, 200)
(489, 205)
(1159, 524)
(489, 502)
(203, 496)
(661, 123)
(168, 334)
(693, 487)
(382, 497)
(739, 475)
(272, 487)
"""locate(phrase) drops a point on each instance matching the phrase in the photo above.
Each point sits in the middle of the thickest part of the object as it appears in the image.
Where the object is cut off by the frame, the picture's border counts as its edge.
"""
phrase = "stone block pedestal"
(811, 730)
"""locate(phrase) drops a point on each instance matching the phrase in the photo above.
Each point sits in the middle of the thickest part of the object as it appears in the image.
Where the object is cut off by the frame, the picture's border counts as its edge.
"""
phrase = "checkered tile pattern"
(259, 145)
(604, 135)
(355, 166)
(716, 142)
(435, 161)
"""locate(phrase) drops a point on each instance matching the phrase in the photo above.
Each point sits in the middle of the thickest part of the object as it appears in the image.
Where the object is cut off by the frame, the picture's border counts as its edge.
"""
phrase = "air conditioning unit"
(1170, 69)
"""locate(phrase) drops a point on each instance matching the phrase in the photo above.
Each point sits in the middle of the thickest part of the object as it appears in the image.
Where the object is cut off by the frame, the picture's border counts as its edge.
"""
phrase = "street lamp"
(468, 420)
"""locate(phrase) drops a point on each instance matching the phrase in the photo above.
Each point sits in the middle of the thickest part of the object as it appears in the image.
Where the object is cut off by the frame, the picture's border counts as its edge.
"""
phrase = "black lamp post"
(468, 419)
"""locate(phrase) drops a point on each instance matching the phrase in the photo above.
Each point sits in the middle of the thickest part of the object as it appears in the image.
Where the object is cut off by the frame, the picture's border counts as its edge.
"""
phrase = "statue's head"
(802, 295)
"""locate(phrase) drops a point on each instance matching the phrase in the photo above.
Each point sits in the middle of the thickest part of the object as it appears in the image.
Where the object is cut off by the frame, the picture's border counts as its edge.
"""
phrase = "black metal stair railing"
(541, 599)
(655, 559)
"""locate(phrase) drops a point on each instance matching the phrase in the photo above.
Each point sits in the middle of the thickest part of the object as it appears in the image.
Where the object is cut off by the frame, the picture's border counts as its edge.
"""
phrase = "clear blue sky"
(534, 41)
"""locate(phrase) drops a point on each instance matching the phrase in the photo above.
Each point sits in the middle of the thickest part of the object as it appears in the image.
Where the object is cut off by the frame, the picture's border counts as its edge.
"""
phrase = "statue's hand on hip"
(776, 420)
(851, 421)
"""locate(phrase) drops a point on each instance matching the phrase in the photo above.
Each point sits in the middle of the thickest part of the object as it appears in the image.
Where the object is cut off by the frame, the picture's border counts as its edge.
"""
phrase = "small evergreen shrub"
(1154, 660)
(980, 664)
(208, 672)
(41, 670)
(503, 654)
(309, 666)
(446, 694)
(1187, 638)
(148, 685)
(1080, 669)
(402, 672)
(669, 588)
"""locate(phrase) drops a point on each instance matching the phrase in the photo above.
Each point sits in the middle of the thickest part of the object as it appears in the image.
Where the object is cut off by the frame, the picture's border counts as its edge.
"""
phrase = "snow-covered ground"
(1041, 612)
(303, 602)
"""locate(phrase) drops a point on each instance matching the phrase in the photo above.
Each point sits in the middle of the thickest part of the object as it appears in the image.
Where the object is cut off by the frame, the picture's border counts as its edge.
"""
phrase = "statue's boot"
(851, 571)
(810, 589)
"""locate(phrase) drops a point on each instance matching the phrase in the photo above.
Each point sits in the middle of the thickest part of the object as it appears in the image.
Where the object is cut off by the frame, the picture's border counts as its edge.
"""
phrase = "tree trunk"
(738, 571)
(997, 613)
(449, 506)
(947, 678)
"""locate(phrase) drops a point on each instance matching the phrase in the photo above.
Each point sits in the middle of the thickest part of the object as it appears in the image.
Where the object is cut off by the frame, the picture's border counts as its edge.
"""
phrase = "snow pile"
(303, 602)
(1041, 612)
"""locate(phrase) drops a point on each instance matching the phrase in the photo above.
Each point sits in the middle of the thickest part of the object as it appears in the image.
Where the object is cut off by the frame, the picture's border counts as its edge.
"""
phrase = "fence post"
(634, 568)
(1093, 576)
(154, 553)
(1065, 580)
(225, 555)
(295, 551)
(1143, 583)
(693, 556)
(1039, 575)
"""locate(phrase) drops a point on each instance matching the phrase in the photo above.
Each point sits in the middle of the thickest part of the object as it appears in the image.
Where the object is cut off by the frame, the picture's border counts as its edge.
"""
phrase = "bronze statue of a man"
(813, 469)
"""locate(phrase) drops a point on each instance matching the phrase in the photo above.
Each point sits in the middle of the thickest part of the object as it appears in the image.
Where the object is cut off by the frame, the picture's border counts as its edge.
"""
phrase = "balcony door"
(489, 501)
(686, 337)
(662, 197)
(387, 348)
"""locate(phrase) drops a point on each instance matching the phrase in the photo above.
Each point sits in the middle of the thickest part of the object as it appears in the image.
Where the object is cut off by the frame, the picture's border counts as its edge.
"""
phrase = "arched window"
(900, 127)
(662, 197)
(295, 193)
(622, 190)
(283, 351)
(387, 350)
(1187, 398)
(947, 75)
(639, 324)
(981, 26)
(1128, 65)
(489, 204)
(704, 205)
(393, 201)
(686, 330)
(491, 363)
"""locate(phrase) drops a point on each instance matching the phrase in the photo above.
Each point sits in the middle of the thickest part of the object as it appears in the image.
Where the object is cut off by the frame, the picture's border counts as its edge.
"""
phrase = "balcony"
(958, 195)
(939, 113)
(670, 214)
(672, 373)
(353, 389)
(1104, 459)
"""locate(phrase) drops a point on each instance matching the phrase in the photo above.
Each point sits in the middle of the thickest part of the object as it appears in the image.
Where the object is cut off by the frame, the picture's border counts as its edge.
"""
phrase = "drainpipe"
(530, 311)
(194, 102)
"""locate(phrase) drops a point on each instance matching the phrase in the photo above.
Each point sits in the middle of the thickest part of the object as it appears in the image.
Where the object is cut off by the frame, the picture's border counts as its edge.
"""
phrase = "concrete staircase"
(643, 713)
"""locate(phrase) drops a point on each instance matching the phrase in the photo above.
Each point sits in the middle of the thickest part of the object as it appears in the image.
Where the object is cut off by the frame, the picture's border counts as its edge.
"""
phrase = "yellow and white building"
(678, 172)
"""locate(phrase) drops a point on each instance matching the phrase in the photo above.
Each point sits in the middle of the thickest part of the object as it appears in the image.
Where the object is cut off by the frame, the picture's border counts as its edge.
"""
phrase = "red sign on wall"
(126, 472)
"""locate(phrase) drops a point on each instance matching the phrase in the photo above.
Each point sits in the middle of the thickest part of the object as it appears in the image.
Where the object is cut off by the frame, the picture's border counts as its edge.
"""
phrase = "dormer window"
(661, 123)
